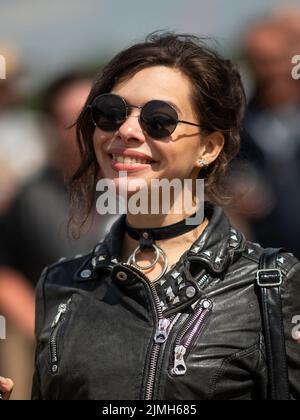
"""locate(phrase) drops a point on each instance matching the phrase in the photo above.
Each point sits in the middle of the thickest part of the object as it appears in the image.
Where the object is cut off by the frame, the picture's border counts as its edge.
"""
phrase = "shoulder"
(67, 271)
(77, 270)
(286, 261)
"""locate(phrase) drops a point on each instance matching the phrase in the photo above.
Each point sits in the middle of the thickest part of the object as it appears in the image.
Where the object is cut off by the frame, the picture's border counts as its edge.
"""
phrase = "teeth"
(129, 160)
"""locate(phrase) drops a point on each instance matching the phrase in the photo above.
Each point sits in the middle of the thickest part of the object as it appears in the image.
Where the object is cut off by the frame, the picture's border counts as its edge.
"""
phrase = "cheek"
(180, 157)
(101, 143)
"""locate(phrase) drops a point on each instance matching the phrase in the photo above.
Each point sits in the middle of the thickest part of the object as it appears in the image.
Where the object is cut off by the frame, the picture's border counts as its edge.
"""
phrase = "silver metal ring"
(146, 267)
(159, 252)
(166, 263)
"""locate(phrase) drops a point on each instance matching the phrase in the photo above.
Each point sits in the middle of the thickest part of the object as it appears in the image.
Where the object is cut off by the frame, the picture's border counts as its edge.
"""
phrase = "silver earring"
(203, 162)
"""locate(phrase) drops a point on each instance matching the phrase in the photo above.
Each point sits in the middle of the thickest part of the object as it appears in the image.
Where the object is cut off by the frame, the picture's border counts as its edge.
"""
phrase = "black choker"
(148, 236)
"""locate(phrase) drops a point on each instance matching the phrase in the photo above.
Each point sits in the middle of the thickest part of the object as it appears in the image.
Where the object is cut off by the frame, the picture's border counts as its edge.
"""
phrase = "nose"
(131, 128)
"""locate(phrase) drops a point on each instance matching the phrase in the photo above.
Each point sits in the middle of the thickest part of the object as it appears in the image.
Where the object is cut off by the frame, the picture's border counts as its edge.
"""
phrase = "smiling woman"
(162, 309)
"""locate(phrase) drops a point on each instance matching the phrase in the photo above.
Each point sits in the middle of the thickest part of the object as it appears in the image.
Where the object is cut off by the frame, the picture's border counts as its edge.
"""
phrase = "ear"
(212, 146)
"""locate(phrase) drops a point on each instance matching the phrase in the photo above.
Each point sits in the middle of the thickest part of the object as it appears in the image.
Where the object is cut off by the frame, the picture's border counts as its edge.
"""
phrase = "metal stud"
(162, 281)
(175, 274)
(162, 305)
(181, 286)
(179, 280)
(85, 274)
(207, 253)
(190, 291)
(170, 293)
(176, 300)
(121, 275)
(196, 249)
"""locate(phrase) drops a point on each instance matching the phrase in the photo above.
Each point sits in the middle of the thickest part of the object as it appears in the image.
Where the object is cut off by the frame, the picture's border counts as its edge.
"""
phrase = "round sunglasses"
(157, 118)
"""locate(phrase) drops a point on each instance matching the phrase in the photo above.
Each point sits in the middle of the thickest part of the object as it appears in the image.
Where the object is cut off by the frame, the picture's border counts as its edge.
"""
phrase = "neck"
(155, 220)
(150, 220)
(174, 247)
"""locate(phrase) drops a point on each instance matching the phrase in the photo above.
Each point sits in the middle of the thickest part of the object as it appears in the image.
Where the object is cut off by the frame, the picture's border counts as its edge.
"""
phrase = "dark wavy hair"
(217, 96)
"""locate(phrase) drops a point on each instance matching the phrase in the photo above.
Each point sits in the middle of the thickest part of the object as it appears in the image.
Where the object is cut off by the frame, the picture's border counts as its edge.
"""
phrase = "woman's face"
(172, 157)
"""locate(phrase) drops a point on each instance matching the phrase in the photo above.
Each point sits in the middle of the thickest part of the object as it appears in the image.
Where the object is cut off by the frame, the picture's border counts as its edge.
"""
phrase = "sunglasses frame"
(127, 107)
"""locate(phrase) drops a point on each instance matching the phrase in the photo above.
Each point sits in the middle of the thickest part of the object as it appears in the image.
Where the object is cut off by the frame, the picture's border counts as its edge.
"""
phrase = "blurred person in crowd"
(33, 229)
(22, 146)
(271, 135)
(22, 153)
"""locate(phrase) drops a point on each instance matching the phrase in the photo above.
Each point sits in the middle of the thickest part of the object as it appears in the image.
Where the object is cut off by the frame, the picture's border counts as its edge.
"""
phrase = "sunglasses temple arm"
(189, 123)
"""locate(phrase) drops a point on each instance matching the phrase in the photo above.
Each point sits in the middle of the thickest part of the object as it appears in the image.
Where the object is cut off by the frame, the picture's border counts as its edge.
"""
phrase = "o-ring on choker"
(147, 238)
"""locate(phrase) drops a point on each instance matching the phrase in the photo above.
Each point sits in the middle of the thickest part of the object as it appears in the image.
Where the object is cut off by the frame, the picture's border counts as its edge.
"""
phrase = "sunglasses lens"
(158, 119)
(108, 112)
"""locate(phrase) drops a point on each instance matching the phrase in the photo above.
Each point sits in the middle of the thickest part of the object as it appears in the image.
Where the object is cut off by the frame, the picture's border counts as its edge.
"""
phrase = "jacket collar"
(218, 244)
(210, 255)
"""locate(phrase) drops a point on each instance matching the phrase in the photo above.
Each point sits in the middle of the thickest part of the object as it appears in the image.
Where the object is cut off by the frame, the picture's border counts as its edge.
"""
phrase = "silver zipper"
(164, 327)
(158, 341)
(202, 282)
(162, 331)
(186, 336)
(55, 327)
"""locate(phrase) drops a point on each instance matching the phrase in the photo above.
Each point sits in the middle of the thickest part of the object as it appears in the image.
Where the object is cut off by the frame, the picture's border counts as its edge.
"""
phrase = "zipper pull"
(162, 331)
(62, 309)
(179, 363)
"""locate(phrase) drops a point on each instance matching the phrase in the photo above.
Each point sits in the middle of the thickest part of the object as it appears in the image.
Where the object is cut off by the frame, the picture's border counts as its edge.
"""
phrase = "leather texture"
(104, 332)
(269, 282)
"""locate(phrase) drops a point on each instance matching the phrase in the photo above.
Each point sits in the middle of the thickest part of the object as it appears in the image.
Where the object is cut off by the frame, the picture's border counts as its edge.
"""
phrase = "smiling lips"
(127, 160)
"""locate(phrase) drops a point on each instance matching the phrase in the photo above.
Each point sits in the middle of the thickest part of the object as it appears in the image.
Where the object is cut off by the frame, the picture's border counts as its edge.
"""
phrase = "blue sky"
(53, 35)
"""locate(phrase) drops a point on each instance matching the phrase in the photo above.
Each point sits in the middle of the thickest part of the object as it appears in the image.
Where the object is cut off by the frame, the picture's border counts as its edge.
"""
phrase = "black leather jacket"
(105, 332)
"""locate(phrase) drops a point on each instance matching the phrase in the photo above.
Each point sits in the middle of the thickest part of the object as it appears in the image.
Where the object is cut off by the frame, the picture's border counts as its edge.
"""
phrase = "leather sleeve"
(291, 318)
(36, 393)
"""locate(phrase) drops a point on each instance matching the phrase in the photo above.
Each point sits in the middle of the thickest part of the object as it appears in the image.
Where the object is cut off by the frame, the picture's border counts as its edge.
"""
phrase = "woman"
(160, 309)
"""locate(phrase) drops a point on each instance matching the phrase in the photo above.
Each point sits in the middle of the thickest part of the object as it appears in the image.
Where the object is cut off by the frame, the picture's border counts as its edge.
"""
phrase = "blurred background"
(52, 52)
